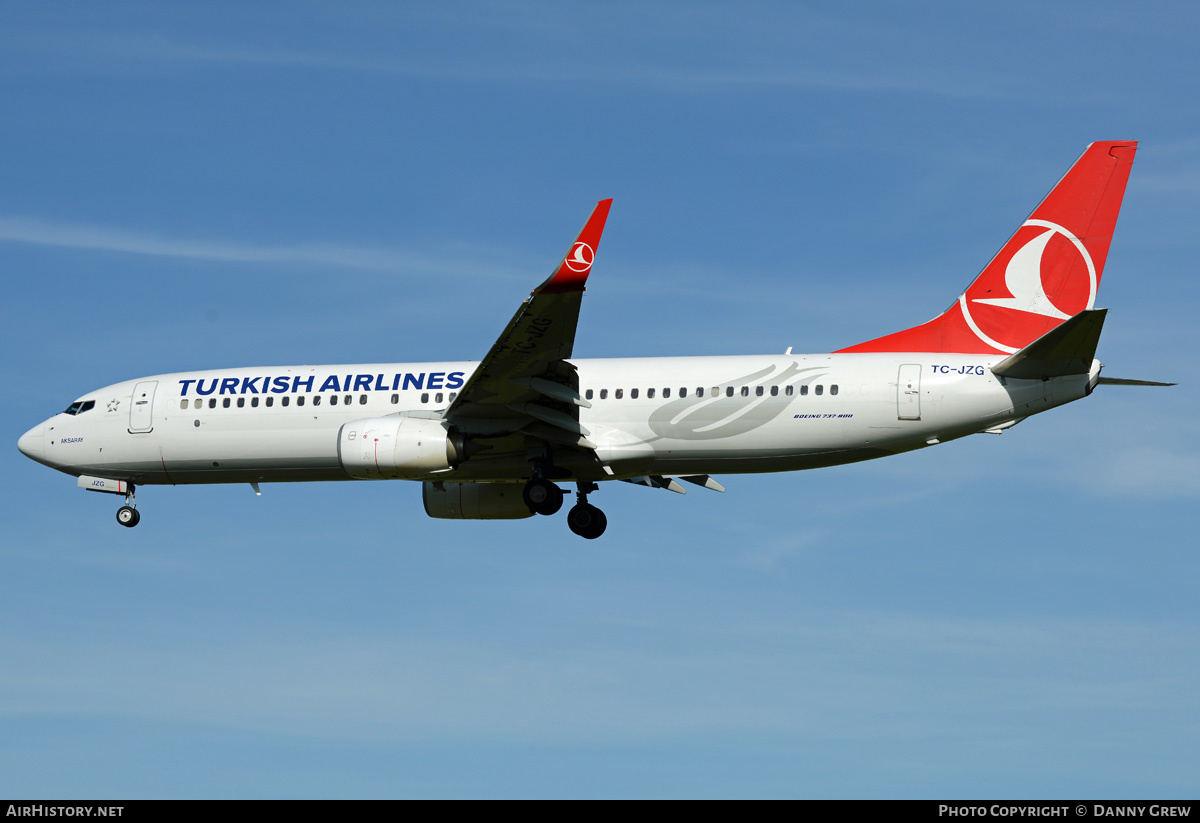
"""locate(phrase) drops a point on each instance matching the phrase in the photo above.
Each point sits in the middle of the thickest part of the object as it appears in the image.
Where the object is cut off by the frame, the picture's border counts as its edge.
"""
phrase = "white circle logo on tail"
(581, 257)
(1023, 279)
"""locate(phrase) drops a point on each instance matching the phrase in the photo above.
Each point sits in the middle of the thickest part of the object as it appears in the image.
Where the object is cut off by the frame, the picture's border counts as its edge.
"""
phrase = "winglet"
(572, 271)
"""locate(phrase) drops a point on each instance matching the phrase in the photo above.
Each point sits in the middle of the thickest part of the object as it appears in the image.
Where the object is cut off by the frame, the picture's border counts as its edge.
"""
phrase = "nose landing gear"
(128, 515)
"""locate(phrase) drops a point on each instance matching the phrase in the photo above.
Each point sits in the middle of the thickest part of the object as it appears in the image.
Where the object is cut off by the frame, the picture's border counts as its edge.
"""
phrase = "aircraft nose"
(31, 443)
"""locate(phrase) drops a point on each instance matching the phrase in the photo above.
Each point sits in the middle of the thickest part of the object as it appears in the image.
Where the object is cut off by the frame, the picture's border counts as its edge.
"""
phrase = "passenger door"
(908, 392)
(141, 409)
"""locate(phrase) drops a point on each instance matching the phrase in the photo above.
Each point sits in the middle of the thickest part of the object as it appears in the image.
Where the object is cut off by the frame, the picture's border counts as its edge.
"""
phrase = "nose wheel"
(584, 519)
(128, 515)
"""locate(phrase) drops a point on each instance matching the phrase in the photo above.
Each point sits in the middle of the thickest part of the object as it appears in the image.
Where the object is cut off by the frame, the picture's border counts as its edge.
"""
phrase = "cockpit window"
(80, 406)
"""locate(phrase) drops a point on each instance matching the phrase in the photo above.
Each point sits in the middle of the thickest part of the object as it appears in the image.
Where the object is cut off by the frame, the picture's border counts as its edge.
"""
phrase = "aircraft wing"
(525, 382)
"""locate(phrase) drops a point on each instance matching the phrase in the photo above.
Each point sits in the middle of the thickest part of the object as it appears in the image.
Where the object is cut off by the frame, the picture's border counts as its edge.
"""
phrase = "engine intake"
(382, 448)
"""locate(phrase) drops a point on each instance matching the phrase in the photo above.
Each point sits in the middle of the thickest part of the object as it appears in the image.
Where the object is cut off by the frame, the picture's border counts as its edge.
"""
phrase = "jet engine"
(382, 448)
(474, 501)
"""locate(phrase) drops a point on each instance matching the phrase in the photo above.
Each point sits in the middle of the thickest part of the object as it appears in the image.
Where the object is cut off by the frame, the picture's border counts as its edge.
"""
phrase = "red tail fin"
(1046, 273)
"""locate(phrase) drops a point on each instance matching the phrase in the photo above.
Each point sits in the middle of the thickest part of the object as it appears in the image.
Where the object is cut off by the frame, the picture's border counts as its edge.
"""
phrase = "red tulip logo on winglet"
(581, 257)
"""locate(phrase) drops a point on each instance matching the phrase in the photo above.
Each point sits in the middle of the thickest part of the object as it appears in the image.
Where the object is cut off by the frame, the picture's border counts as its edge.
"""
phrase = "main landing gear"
(128, 515)
(542, 496)
(584, 519)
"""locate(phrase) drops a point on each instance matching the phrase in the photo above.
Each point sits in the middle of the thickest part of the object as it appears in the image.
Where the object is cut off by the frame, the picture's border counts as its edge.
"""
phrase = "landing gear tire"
(542, 496)
(587, 521)
(128, 516)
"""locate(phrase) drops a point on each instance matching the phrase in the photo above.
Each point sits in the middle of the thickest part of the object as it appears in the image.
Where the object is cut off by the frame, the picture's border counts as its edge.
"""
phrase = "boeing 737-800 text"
(493, 439)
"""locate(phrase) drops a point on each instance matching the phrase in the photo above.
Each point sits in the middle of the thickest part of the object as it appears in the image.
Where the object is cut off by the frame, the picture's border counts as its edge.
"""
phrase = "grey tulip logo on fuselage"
(723, 416)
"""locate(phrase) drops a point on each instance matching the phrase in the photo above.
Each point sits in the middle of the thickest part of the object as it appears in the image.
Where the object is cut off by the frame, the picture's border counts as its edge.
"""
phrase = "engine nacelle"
(474, 501)
(381, 448)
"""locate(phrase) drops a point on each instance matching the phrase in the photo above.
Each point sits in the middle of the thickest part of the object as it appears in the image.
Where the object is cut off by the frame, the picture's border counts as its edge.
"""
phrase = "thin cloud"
(163, 49)
(1148, 472)
(819, 676)
(123, 241)
(697, 79)
(1177, 180)
(813, 80)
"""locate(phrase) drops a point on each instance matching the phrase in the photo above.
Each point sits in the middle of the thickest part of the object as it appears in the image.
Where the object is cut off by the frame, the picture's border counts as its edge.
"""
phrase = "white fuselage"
(659, 416)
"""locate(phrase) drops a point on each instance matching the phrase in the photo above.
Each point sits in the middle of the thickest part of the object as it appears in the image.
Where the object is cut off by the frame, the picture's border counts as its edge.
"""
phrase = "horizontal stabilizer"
(1124, 381)
(1066, 349)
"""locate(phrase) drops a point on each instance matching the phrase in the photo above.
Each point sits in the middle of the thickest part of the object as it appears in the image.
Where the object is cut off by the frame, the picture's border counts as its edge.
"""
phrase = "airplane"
(493, 439)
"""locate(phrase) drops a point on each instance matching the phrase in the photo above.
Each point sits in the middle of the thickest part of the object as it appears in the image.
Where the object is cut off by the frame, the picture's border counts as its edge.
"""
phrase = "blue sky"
(225, 185)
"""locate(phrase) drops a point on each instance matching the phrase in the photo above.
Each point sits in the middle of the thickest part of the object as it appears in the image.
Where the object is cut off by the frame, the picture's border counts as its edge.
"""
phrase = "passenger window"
(619, 394)
(833, 389)
(775, 391)
(604, 394)
(438, 397)
(270, 402)
(820, 389)
(649, 394)
(424, 397)
(716, 391)
(758, 391)
(588, 395)
(241, 402)
(283, 401)
(788, 390)
(333, 400)
(453, 395)
(633, 394)
(395, 399)
(225, 402)
(362, 400)
(212, 403)
(729, 391)
(300, 400)
(317, 400)
(254, 402)
(666, 393)
(683, 391)
(346, 400)
(183, 404)
(700, 391)
(745, 391)
(804, 389)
